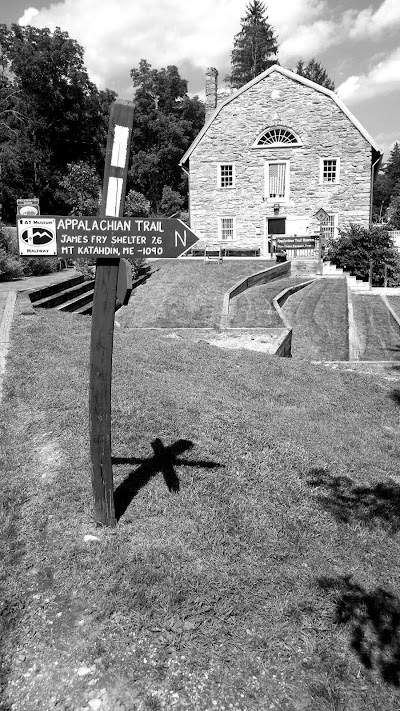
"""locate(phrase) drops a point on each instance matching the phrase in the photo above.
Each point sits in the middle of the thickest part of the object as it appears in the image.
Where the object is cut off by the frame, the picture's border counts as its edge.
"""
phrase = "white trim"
(321, 170)
(277, 145)
(226, 187)
(267, 198)
(226, 217)
(335, 216)
(295, 77)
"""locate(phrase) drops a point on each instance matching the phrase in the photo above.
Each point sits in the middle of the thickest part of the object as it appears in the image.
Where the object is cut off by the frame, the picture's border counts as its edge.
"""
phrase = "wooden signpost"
(105, 293)
(110, 237)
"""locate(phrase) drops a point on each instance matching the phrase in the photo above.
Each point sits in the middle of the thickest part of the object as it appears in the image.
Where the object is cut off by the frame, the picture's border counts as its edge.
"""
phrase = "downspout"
(378, 160)
(188, 177)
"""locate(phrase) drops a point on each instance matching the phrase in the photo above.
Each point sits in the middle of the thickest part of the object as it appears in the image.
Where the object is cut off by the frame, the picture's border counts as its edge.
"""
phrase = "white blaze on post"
(119, 160)
(114, 194)
(120, 147)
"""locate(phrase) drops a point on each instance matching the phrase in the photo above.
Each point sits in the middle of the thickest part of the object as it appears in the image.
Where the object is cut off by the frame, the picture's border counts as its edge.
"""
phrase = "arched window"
(277, 136)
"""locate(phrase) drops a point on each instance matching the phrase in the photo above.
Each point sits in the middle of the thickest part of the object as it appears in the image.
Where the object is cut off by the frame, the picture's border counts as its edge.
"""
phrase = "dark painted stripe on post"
(103, 312)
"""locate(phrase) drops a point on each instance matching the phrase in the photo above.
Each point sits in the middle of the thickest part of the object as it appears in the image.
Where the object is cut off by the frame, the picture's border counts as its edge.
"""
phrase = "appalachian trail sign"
(111, 238)
(97, 237)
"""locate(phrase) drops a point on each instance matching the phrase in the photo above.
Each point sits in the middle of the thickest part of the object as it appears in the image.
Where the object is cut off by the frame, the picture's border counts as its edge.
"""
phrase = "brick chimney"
(211, 91)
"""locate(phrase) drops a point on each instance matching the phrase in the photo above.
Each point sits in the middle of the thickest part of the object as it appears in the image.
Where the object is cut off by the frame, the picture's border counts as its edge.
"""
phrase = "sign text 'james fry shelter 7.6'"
(103, 237)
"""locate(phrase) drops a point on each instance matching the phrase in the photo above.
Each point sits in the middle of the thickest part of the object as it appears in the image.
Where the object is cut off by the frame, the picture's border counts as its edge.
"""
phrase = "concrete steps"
(74, 294)
(331, 270)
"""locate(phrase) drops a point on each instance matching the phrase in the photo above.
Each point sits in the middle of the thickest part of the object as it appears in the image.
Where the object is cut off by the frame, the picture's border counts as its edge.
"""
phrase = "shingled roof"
(294, 77)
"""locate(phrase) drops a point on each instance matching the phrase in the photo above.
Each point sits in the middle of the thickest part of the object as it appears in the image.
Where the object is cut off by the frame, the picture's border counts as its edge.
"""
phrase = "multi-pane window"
(277, 136)
(329, 171)
(226, 175)
(329, 227)
(226, 228)
(277, 181)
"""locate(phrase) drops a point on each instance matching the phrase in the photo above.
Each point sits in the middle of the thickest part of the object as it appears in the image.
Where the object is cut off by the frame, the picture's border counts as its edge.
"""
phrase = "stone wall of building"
(324, 132)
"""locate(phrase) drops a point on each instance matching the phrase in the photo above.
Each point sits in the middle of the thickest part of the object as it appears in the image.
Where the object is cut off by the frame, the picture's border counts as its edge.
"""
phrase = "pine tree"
(392, 170)
(315, 72)
(255, 46)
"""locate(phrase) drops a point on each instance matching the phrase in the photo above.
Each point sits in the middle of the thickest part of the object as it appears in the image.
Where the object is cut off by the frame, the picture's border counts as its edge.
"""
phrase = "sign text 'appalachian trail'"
(96, 237)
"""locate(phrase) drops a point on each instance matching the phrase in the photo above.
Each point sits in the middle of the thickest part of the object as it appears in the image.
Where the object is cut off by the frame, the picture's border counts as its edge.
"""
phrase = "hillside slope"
(255, 562)
(318, 315)
(253, 308)
(185, 294)
(378, 332)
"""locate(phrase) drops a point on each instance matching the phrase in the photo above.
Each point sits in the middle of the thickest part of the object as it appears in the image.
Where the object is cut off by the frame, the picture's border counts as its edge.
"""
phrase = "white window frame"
(321, 170)
(219, 176)
(285, 198)
(335, 230)
(277, 144)
(226, 217)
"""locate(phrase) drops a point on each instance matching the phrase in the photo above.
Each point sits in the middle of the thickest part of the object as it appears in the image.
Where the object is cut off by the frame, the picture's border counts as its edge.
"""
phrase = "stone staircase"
(330, 270)
(74, 294)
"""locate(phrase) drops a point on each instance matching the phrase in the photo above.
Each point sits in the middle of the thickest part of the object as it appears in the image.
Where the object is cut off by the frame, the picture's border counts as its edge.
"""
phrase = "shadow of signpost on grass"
(347, 501)
(373, 619)
(164, 460)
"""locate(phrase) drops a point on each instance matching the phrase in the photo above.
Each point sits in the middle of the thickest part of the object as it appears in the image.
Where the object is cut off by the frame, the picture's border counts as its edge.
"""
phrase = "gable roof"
(300, 80)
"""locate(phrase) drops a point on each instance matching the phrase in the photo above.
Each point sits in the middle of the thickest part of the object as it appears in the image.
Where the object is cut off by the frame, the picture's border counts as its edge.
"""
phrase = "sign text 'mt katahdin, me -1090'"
(96, 237)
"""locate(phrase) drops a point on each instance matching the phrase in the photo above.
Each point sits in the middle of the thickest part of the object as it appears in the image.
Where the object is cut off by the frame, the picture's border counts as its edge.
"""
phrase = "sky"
(358, 42)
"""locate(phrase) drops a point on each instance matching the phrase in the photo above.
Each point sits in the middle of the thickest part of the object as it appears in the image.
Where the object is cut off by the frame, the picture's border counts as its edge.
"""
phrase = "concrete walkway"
(8, 296)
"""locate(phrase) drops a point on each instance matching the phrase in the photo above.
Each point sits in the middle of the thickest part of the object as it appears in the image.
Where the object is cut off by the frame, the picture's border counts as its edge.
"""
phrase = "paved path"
(8, 295)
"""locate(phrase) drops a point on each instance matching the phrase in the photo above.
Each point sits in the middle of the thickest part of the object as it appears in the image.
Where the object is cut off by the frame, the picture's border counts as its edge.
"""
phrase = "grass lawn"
(378, 332)
(253, 308)
(186, 294)
(318, 315)
(255, 564)
(394, 302)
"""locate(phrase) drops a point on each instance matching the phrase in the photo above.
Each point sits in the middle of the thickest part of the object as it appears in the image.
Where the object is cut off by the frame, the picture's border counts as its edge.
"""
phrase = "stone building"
(270, 155)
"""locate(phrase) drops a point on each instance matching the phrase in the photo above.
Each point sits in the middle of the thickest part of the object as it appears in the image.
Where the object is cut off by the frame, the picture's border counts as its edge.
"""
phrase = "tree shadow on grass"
(164, 460)
(374, 622)
(395, 395)
(346, 501)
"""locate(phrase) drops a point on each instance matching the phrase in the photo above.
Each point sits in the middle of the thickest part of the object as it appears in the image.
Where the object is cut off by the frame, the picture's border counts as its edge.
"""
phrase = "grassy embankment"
(377, 330)
(255, 562)
(318, 315)
(185, 294)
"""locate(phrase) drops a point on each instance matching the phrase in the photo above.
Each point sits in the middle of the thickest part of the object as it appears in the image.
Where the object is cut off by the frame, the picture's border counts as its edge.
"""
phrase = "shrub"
(11, 267)
(357, 246)
(37, 266)
(184, 216)
(136, 205)
(138, 266)
(87, 267)
(171, 202)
